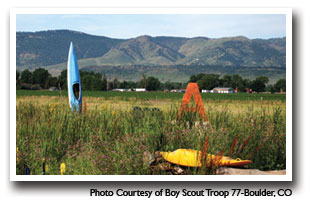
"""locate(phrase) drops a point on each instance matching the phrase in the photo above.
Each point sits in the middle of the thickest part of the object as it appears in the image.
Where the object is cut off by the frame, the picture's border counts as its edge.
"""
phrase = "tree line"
(235, 81)
(42, 79)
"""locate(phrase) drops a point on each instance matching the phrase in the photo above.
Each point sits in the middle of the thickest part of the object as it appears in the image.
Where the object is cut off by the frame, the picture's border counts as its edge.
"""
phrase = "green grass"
(158, 95)
(112, 141)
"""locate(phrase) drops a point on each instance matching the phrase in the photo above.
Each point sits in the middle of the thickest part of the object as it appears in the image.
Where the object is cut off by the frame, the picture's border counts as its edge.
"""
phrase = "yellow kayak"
(192, 158)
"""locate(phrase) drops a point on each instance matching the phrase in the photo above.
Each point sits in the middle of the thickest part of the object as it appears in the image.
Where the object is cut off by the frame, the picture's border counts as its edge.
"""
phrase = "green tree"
(62, 79)
(26, 77)
(17, 75)
(104, 83)
(270, 88)
(110, 86)
(132, 85)
(168, 85)
(196, 78)
(226, 81)
(192, 78)
(86, 80)
(96, 84)
(124, 85)
(208, 81)
(153, 84)
(259, 84)
(116, 83)
(17, 80)
(280, 84)
(237, 82)
(247, 84)
(143, 82)
(51, 82)
(40, 76)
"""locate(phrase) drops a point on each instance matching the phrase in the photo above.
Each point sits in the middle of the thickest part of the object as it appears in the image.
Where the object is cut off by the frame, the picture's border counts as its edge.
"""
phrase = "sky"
(124, 26)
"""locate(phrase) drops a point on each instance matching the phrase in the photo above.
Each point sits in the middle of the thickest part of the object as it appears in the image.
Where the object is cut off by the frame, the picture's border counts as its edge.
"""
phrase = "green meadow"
(111, 137)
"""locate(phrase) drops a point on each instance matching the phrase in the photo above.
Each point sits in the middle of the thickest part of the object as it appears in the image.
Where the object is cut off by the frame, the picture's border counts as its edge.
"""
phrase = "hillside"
(49, 49)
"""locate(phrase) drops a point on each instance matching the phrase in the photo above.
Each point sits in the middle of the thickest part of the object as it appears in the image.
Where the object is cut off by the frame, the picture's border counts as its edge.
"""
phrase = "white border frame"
(289, 114)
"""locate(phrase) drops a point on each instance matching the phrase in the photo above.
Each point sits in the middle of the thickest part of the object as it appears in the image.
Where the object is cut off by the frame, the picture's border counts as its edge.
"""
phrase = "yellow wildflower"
(17, 155)
(62, 168)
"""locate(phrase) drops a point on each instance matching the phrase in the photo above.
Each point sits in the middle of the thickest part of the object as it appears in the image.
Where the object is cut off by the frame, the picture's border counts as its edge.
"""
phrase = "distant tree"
(280, 84)
(98, 75)
(40, 76)
(86, 80)
(153, 84)
(226, 81)
(143, 82)
(104, 83)
(51, 82)
(263, 79)
(109, 86)
(116, 83)
(173, 85)
(17, 80)
(96, 84)
(124, 85)
(26, 77)
(270, 88)
(93, 81)
(237, 82)
(196, 78)
(247, 84)
(259, 84)
(17, 75)
(208, 81)
(89, 80)
(168, 86)
(132, 85)
(62, 79)
(192, 78)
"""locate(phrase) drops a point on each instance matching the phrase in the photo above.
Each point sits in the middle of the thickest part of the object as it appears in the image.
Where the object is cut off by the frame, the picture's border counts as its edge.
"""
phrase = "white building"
(139, 89)
(121, 90)
(223, 90)
(205, 91)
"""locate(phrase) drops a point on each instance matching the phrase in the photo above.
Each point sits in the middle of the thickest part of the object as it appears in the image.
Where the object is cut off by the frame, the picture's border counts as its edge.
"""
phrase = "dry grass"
(110, 138)
(98, 103)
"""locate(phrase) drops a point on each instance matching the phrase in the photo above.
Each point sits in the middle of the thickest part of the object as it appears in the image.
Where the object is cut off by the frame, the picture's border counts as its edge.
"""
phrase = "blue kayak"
(74, 82)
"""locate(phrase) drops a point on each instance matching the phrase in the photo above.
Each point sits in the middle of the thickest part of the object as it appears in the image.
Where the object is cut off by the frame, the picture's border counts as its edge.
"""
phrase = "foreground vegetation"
(110, 137)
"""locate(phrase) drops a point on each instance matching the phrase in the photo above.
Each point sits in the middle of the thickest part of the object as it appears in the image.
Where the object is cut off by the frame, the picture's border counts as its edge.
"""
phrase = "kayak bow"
(74, 82)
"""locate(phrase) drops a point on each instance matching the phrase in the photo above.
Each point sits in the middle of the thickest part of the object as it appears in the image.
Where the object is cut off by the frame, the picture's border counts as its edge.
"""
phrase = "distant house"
(178, 90)
(139, 89)
(121, 90)
(223, 90)
(205, 91)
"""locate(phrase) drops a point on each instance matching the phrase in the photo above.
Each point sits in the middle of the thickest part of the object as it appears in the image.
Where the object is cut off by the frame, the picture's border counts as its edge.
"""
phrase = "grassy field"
(112, 138)
(156, 95)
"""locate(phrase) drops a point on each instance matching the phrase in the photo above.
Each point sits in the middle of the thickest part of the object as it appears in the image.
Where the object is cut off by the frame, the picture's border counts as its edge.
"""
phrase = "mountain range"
(168, 58)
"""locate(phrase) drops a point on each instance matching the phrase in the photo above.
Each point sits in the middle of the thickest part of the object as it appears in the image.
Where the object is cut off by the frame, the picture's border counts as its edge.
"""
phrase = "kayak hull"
(74, 82)
(192, 158)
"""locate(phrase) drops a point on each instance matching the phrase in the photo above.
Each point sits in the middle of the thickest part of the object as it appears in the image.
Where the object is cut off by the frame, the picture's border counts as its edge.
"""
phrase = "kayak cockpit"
(76, 90)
